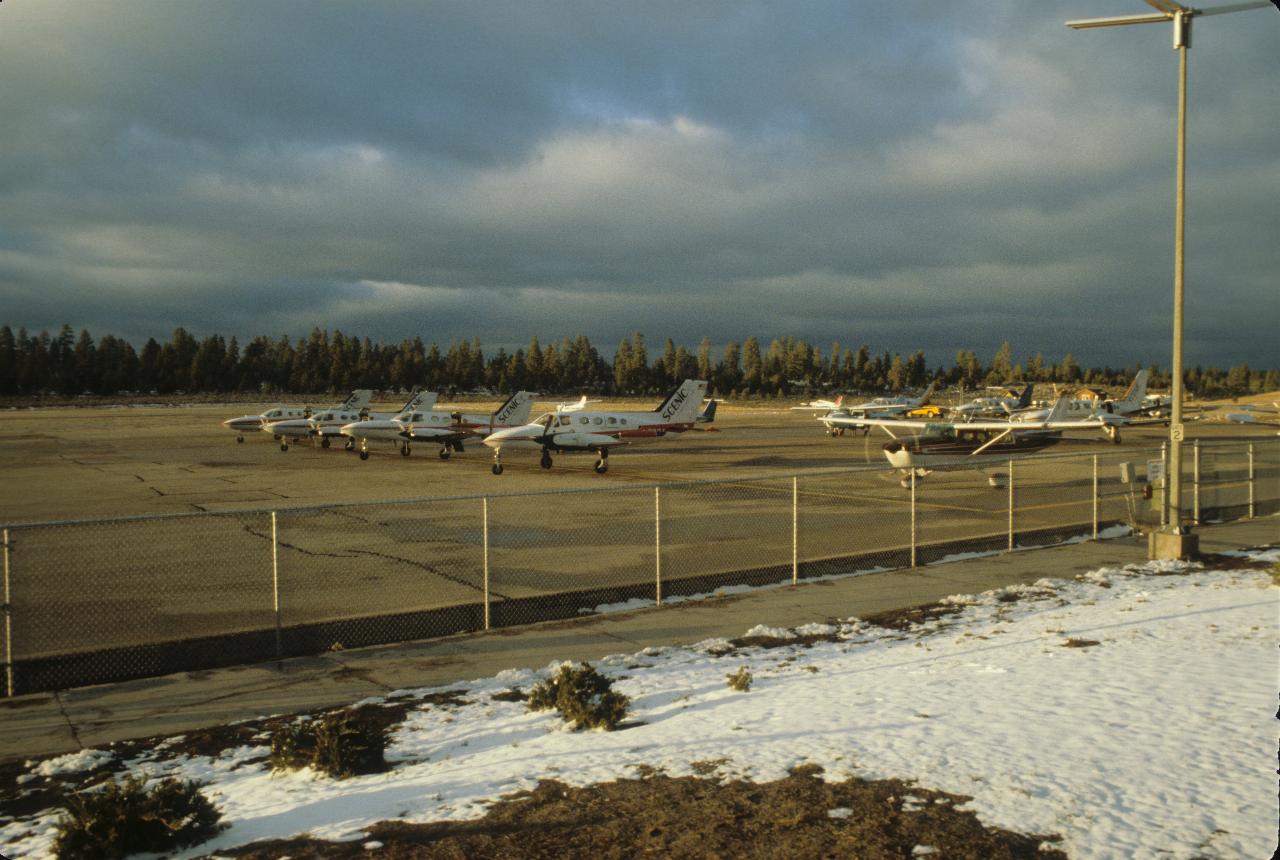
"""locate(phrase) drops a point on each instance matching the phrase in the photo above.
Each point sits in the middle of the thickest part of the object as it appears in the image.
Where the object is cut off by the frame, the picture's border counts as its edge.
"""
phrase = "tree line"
(69, 363)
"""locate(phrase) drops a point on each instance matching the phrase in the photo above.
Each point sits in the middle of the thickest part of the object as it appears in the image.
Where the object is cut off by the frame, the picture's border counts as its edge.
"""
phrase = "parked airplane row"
(571, 428)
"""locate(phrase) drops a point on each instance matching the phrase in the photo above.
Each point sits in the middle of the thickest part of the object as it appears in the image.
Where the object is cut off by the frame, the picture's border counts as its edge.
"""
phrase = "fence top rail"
(853, 468)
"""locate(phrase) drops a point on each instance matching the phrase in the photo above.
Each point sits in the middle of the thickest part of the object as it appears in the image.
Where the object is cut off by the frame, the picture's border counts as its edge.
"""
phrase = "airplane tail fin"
(928, 392)
(708, 414)
(1133, 398)
(357, 400)
(421, 399)
(514, 411)
(1024, 399)
(681, 406)
(1058, 412)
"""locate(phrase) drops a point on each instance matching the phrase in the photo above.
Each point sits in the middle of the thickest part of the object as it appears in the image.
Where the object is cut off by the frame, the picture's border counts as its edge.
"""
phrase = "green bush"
(126, 818)
(337, 745)
(740, 680)
(583, 697)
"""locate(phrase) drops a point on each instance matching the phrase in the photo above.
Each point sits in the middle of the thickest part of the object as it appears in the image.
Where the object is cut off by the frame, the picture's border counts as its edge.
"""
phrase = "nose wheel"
(602, 465)
(404, 449)
(497, 461)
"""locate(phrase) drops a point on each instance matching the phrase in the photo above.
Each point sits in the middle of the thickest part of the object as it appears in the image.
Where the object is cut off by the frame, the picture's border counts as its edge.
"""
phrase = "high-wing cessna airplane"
(444, 427)
(880, 407)
(355, 401)
(924, 446)
(325, 424)
(598, 431)
(576, 405)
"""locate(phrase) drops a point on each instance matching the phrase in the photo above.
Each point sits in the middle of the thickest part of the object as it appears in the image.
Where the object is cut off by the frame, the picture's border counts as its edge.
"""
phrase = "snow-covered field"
(1157, 740)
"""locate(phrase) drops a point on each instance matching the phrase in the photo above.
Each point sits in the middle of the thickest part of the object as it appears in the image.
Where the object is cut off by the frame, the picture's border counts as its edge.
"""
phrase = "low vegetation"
(123, 818)
(339, 745)
(740, 680)
(585, 698)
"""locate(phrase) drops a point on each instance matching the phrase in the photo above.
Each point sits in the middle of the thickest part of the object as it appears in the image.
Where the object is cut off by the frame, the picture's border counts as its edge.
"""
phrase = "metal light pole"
(1174, 541)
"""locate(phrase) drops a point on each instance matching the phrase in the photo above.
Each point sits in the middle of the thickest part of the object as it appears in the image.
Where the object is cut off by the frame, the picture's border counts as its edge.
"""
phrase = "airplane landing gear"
(364, 449)
(324, 441)
(239, 438)
(404, 449)
(497, 462)
(284, 446)
(602, 465)
(497, 468)
(545, 462)
(351, 445)
(445, 452)
(1113, 433)
(364, 455)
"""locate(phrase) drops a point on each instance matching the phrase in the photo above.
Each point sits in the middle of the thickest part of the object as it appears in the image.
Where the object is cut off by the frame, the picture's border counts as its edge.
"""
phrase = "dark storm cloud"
(911, 175)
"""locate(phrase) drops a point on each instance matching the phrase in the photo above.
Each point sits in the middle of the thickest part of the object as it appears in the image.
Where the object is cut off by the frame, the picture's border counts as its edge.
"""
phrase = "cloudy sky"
(910, 175)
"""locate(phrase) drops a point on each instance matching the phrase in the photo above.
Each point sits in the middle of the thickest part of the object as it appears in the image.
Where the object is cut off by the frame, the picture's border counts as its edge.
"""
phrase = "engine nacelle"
(583, 441)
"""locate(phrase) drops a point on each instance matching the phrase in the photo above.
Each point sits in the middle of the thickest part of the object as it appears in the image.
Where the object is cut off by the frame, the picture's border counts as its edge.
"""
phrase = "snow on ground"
(1157, 740)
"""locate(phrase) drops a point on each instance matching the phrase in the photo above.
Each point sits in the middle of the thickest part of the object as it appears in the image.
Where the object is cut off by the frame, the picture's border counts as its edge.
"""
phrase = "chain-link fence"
(95, 601)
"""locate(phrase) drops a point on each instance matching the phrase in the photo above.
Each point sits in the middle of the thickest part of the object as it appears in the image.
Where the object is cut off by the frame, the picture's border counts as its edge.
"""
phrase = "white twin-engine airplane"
(1113, 412)
(326, 424)
(880, 407)
(357, 400)
(597, 431)
(928, 445)
(444, 427)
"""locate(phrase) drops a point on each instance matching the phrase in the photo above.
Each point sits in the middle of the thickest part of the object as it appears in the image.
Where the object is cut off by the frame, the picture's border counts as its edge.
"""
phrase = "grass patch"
(661, 816)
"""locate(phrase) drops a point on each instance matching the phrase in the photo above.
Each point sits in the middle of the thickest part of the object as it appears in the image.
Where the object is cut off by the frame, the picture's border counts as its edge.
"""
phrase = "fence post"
(1252, 477)
(1095, 496)
(657, 545)
(913, 517)
(795, 530)
(1011, 505)
(1195, 482)
(275, 582)
(8, 622)
(484, 536)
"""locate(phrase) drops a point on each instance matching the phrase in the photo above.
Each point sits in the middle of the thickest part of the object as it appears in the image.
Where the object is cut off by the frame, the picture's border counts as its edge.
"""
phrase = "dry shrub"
(583, 696)
(740, 680)
(124, 818)
(338, 745)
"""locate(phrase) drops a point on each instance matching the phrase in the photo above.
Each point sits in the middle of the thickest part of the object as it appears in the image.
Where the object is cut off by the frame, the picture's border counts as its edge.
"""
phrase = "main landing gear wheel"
(602, 466)
(239, 438)
(444, 453)
(497, 468)
(351, 445)
(364, 455)
(324, 442)
(284, 446)
(545, 462)
(404, 450)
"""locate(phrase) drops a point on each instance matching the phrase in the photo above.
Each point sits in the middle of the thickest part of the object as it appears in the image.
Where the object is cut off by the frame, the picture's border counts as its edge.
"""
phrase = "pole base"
(1172, 546)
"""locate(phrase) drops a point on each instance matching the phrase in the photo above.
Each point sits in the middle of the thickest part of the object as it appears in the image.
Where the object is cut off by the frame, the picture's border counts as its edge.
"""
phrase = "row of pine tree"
(324, 362)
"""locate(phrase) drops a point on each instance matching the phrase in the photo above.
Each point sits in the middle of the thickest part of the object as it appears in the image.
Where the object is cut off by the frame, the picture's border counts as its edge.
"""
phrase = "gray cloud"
(906, 175)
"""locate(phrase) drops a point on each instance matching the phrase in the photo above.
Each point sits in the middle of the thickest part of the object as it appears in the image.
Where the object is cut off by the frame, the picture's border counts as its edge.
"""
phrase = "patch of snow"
(985, 703)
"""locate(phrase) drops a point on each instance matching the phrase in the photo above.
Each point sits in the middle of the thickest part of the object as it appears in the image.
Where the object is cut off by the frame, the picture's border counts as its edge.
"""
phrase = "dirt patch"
(661, 816)
(906, 619)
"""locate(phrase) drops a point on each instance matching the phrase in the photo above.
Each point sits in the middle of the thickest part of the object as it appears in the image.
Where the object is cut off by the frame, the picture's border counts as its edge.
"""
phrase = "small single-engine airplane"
(984, 407)
(927, 446)
(598, 431)
(844, 417)
(447, 428)
(356, 400)
(326, 424)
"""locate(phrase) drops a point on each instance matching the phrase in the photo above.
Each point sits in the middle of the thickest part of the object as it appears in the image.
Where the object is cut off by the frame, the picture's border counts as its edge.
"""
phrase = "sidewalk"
(46, 723)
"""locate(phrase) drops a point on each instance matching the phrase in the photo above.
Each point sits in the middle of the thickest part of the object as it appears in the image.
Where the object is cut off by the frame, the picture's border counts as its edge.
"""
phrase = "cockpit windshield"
(943, 431)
